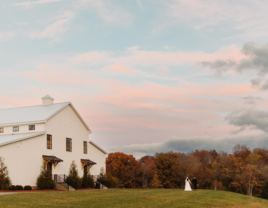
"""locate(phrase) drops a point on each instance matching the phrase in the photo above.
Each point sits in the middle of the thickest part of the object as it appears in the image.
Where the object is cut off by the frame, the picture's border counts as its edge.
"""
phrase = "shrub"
(109, 180)
(85, 178)
(27, 188)
(73, 179)
(44, 180)
(4, 178)
(12, 187)
(90, 181)
(19, 187)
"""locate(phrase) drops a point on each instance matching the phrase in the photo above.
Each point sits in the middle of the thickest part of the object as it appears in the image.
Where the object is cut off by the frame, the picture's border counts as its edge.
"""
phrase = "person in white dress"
(187, 184)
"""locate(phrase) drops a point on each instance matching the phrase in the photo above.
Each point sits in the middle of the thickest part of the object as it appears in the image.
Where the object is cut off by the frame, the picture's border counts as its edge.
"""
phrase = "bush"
(109, 180)
(87, 180)
(19, 187)
(27, 188)
(90, 181)
(44, 180)
(4, 178)
(84, 179)
(12, 188)
(73, 179)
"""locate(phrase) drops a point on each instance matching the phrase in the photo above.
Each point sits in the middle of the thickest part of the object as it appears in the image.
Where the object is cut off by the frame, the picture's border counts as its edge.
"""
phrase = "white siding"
(66, 124)
(24, 160)
(98, 157)
(23, 129)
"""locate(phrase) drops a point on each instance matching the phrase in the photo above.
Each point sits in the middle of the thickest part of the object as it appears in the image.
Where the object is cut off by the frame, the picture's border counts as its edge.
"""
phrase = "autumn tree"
(146, 167)
(169, 169)
(246, 175)
(123, 167)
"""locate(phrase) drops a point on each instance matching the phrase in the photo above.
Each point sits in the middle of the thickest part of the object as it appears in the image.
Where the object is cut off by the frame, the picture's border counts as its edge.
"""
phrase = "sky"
(146, 75)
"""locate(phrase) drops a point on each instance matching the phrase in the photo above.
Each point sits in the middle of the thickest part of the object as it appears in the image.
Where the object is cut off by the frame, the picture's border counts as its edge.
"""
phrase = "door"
(49, 168)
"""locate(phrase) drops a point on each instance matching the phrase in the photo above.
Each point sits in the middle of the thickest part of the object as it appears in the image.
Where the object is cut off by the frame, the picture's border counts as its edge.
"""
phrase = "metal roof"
(98, 147)
(89, 162)
(6, 139)
(52, 158)
(29, 114)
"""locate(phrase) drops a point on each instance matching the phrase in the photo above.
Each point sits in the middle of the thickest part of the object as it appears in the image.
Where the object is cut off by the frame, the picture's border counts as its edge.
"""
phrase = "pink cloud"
(138, 57)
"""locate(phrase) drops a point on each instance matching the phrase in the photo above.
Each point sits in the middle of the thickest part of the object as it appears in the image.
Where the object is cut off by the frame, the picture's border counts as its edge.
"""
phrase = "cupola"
(47, 100)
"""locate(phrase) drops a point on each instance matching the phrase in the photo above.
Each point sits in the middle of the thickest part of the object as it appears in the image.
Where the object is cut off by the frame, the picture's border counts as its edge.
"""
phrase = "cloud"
(191, 144)
(251, 99)
(151, 58)
(92, 58)
(57, 28)
(249, 118)
(139, 3)
(237, 15)
(108, 12)
(31, 4)
(6, 35)
(255, 59)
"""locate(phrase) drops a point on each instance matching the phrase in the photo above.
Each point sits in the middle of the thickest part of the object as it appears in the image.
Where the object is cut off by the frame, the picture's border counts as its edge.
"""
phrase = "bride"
(187, 184)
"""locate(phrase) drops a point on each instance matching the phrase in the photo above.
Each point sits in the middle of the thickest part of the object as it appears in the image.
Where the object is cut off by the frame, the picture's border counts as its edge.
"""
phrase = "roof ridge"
(32, 106)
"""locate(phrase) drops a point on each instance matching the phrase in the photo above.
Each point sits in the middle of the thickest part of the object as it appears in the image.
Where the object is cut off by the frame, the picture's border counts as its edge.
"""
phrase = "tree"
(73, 179)
(4, 178)
(44, 180)
(246, 175)
(169, 169)
(155, 183)
(85, 178)
(146, 167)
(123, 167)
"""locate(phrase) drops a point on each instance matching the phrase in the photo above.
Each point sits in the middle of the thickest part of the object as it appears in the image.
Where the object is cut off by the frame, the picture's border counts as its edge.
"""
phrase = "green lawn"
(131, 198)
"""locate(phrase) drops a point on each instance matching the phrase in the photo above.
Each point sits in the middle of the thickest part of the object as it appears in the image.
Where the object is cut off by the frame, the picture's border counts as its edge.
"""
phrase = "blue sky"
(142, 72)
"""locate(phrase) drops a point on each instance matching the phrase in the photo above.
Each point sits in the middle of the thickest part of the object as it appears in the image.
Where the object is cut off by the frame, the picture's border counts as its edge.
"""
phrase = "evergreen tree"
(85, 178)
(73, 179)
(90, 181)
(4, 178)
(44, 180)
(155, 183)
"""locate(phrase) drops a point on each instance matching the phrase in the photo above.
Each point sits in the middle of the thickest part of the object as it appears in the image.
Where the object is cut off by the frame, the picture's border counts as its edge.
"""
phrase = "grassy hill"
(132, 198)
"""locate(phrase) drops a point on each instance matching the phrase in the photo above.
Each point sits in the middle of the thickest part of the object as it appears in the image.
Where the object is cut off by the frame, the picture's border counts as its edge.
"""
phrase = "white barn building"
(54, 133)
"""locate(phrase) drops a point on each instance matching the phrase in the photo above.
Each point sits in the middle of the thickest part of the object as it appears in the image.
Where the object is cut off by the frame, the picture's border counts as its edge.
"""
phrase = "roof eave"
(98, 147)
(24, 138)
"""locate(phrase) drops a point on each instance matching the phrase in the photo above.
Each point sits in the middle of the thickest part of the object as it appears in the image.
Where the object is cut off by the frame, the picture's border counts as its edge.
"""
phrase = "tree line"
(244, 171)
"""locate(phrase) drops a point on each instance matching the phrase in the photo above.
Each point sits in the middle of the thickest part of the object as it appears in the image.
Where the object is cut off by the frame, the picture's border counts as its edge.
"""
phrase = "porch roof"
(52, 158)
(89, 162)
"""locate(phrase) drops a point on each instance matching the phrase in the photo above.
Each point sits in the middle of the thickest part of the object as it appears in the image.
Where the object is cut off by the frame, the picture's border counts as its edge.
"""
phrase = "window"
(31, 127)
(49, 141)
(1, 130)
(15, 128)
(68, 144)
(85, 147)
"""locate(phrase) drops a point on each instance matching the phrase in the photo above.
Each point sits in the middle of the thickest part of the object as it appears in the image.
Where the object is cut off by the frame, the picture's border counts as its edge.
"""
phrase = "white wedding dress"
(187, 185)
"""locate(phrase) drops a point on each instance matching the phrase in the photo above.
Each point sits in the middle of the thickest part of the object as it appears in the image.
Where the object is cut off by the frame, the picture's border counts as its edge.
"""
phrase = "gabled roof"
(7, 139)
(34, 114)
(29, 114)
(98, 147)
